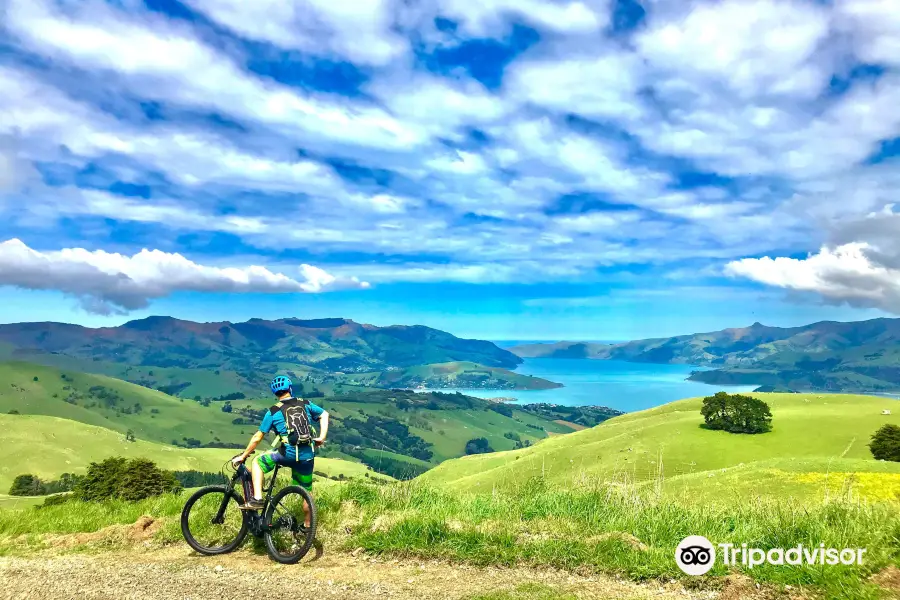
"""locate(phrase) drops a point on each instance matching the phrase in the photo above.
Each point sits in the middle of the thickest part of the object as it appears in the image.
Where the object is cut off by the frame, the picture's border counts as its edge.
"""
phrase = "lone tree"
(885, 444)
(736, 413)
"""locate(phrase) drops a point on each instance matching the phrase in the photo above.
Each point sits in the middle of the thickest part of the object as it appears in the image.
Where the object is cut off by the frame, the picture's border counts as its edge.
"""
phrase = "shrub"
(129, 480)
(13, 411)
(736, 413)
(26, 485)
(143, 479)
(56, 500)
(885, 444)
(478, 446)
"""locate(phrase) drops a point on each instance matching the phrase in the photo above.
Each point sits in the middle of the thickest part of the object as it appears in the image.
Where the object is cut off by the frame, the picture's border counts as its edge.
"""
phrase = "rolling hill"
(812, 436)
(69, 447)
(826, 356)
(213, 359)
(422, 428)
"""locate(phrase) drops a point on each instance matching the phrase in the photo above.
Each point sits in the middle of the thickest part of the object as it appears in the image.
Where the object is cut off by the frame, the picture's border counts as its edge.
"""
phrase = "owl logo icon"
(695, 555)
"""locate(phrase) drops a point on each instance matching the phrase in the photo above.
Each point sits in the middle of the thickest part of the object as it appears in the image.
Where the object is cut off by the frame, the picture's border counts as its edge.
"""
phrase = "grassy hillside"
(812, 434)
(112, 403)
(154, 416)
(50, 446)
(445, 430)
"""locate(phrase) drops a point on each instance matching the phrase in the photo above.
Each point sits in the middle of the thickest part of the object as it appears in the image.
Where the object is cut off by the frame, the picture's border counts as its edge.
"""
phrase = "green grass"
(176, 418)
(18, 502)
(49, 446)
(628, 533)
(823, 432)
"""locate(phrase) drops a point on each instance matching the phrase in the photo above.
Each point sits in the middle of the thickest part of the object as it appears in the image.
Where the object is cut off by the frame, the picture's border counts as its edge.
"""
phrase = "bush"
(129, 480)
(26, 485)
(885, 444)
(478, 446)
(56, 500)
(736, 413)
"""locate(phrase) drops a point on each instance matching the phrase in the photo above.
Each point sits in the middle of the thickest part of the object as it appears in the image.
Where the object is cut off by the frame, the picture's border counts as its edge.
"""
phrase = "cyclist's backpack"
(297, 420)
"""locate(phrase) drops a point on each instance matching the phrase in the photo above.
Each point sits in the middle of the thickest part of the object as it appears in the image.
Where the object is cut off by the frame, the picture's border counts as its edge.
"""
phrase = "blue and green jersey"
(275, 422)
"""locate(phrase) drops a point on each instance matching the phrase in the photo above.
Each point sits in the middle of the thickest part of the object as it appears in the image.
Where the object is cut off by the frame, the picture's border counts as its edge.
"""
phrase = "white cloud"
(46, 119)
(164, 61)
(360, 31)
(874, 26)
(754, 46)
(602, 85)
(845, 274)
(107, 282)
(596, 221)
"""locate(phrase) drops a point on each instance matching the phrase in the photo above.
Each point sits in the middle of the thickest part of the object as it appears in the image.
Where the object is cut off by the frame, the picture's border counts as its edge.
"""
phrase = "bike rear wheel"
(212, 521)
(287, 540)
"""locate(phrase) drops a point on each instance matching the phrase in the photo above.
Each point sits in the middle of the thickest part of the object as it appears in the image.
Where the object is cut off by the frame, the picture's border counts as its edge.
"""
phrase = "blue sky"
(525, 169)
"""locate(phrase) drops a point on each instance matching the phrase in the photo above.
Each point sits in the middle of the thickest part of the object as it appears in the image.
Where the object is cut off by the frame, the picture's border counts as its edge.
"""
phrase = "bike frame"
(256, 519)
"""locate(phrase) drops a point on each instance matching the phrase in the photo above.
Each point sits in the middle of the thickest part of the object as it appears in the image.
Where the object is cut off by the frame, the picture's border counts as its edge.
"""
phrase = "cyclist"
(298, 458)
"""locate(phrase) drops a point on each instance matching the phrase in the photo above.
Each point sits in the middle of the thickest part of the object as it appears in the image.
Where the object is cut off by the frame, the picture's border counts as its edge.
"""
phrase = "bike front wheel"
(212, 521)
(287, 540)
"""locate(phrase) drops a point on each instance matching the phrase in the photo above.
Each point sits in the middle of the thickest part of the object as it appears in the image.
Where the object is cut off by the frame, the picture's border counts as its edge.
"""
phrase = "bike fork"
(220, 516)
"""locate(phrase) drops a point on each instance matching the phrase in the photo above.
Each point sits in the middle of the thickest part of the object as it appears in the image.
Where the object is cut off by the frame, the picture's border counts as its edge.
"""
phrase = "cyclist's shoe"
(252, 504)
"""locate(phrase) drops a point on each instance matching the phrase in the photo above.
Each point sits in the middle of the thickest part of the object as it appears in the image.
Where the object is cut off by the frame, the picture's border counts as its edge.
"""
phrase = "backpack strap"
(279, 440)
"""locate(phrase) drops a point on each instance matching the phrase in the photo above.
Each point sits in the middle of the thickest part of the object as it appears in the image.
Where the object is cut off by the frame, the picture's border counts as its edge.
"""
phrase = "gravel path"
(175, 572)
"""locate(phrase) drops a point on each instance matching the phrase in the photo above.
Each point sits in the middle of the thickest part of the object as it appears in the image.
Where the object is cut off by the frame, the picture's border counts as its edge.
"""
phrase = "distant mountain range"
(170, 354)
(331, 344)
(856, 356)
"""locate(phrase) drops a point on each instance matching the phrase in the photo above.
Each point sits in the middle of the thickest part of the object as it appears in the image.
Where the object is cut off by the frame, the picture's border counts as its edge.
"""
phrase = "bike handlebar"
(231, 460)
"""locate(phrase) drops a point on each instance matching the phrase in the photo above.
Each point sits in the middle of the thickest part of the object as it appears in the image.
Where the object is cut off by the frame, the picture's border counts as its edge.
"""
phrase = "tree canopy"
(885, 444)
(736, 413)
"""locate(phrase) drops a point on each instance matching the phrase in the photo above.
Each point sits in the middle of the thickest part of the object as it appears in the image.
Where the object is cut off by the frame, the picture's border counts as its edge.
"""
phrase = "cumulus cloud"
(860, 273)
(845, 274)
(107, 282)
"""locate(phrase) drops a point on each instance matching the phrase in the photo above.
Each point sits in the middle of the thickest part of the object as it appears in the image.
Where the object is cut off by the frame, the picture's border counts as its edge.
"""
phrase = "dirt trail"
(174, 572)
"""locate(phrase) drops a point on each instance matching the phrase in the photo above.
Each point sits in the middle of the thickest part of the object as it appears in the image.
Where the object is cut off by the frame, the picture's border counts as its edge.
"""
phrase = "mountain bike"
(212, 521)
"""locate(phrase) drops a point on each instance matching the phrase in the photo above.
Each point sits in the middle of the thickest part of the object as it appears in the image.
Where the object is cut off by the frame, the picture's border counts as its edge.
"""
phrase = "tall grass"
(612, 530)
(609, 530)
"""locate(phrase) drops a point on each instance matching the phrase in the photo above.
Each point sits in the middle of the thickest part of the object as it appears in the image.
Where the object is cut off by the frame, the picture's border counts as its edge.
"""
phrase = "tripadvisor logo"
(696, 555)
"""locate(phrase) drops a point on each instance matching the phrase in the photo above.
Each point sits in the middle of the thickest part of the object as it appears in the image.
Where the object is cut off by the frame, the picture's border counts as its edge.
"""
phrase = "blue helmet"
(280, 384)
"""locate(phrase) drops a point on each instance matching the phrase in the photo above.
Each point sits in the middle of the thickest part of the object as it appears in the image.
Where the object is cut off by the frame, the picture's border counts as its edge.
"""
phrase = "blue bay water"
(621, 385)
